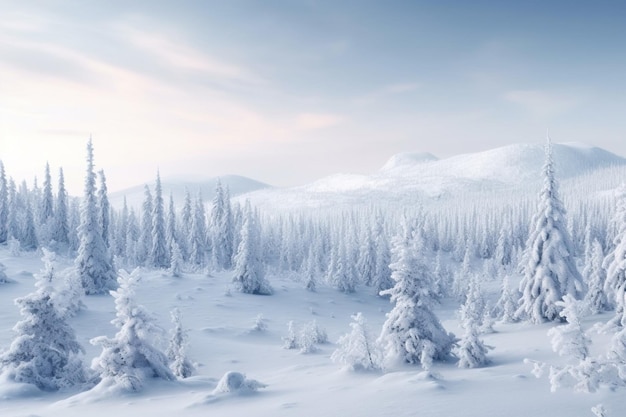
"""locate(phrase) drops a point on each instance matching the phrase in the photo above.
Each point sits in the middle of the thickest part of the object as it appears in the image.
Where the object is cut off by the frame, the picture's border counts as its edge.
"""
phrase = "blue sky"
(290, 91)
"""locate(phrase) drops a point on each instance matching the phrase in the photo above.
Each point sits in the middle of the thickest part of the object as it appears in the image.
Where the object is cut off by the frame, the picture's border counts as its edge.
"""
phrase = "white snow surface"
(222, 340)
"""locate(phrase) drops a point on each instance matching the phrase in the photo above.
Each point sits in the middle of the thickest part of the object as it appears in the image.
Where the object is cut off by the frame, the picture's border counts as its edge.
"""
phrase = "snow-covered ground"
(222, 339)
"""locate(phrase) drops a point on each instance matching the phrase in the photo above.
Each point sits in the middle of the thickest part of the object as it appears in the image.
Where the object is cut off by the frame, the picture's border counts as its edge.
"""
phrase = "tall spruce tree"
(549, 267)
(61, 222)
(249, 269)
(615, 261)
(159, 253)
(4, 206)
(93, 262)
(104, 214)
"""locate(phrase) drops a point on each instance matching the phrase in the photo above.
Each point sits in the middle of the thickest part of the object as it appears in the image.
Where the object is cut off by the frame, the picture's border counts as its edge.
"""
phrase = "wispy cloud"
(541, 103)
(175, 52)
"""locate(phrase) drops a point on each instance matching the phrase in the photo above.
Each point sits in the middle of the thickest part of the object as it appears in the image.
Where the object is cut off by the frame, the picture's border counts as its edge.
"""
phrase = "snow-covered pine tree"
(44, 351)
(93, 262)
(311, 271)
(171, 230)
(343, 275)
(130, 358)
(412, 332)
(249, 269)
(144, 244)
(4, 206)
(506, 305)
(382, 276)
(46, 212)
(366, 265)
(472, 351)
(221, 229)
(356, 350)
(615, 261)
(61, 220)
(159, 256)
(28, 238)
(197, 236)
(180, 365)
(121, 231)
(176, 261)
(595, 276)
(104, 207)
(549, 267)
(186, 219)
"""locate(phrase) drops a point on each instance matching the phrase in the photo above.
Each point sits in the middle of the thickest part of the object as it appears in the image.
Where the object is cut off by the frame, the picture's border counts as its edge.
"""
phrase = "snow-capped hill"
(516, 163)
(411, 178)
(236, 184)
(408, 159)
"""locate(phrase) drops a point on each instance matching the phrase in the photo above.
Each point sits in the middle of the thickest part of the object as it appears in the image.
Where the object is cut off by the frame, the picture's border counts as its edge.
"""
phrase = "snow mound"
(408, 159)
(236, 382)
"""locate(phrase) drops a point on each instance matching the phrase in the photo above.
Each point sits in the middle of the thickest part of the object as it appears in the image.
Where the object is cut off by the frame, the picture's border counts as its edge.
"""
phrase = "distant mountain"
(237, 185)
(420, 178)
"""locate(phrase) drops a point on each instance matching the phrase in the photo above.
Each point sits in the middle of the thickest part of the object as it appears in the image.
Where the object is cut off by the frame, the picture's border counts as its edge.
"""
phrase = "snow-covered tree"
(130, 358)
(506, 305)
(569, 339)
(180, 365)
(615, 261)
(144, 244)
(159, 256)
(104, 207)
(93, 262)
(45, 351)
(595, 276)
(549, 267)
(176, 261)
(4, 206)
(472, 351)
(61, 218)
(221, 228)
(249, 269)
(46, 212)
(412, 332)
(357, 350)
(197, 235)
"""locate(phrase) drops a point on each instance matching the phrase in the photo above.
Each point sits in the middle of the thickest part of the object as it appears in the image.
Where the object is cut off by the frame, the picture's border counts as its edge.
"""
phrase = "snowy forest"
(486, 293)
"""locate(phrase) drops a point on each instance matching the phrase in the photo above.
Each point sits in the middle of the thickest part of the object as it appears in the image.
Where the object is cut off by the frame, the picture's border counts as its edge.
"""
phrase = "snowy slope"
(221, 340)
(422, 178)
(237, 185)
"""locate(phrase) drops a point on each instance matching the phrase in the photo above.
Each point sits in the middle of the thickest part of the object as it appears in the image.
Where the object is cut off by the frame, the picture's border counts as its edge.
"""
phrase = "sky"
(289, 91)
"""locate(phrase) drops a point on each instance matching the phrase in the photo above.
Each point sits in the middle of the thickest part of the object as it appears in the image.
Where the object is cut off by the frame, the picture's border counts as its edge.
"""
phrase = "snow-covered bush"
(3, 276)
(306, 338)
(130, 357)
(236, 382)
(260, 324)
(357, 351)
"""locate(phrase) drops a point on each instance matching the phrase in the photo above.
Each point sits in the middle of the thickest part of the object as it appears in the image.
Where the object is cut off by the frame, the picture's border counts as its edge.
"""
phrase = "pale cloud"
(311, 121)
(541, 103)
(386, 91)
